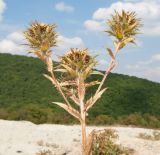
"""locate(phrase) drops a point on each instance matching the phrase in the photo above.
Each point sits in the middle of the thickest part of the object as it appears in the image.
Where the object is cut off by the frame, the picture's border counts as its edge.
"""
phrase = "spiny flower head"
(77, 62)
(124, 26)
(41, 36)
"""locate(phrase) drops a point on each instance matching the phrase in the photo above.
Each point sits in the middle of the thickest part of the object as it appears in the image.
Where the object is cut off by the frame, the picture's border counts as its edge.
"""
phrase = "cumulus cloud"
(65, 43)
(16, 37)
(149, 11)
(61, 6)
(145, 9)
(2, 8)
(156, 57)
(146, 69)
(13, 44)
(94, 25)
(153, 59)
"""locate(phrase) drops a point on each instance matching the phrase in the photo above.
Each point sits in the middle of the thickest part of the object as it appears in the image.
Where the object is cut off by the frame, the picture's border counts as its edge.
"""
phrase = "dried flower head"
(76, 62)
(124, 26)
(41, 36)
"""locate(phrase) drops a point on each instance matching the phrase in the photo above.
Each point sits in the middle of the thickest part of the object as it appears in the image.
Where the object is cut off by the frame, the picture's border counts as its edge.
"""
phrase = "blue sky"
(82, 24)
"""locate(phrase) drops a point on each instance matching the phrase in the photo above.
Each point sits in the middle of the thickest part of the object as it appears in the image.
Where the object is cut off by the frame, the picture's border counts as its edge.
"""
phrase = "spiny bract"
(77, 62)
(124, 26)
(41, 38)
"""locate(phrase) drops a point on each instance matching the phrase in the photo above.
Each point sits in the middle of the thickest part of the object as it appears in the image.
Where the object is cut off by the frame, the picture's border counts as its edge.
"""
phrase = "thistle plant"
(77, 65)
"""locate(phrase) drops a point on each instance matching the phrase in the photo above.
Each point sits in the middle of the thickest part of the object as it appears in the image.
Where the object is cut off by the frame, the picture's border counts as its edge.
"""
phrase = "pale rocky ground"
(26, 138)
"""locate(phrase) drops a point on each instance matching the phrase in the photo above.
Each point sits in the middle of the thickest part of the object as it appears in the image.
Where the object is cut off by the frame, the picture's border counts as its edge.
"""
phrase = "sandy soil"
(26, 138)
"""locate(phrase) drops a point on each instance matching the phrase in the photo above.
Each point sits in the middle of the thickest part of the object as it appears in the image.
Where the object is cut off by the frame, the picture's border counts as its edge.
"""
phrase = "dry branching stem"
(77, 65)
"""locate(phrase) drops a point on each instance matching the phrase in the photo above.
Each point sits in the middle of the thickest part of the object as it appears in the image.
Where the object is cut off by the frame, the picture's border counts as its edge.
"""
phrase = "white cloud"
(65, 43)
(2, 8)
(61, 6)
(8, 46)
(16, 36)
(94, 25)
(153, 59)
(144, 9)
(148, 10)
(146, 69)
(13, 44)
(146, 72)
(156, 57)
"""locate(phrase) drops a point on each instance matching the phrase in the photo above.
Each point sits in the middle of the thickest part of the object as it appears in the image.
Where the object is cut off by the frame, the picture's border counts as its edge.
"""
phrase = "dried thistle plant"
(124, 27)
(77, 65)
(41, 38)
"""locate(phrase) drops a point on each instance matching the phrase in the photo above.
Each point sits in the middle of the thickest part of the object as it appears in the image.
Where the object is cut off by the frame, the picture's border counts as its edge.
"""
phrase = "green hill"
(26, 95)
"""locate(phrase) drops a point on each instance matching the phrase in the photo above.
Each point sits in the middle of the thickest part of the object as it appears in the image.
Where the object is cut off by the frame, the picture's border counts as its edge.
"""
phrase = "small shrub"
(104, 144)
(134, 119)
(104, 120)
(152, 121)
(154, 136)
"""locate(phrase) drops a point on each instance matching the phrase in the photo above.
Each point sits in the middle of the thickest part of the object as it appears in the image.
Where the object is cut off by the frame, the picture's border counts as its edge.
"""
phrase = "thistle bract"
(41, 38)
(77, 62)
(124, 26)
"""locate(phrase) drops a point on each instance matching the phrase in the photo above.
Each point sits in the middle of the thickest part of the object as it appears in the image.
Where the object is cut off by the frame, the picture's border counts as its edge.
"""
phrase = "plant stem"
(83, 130)
(84, 140)
(81, 94)
(109, 69)
(59, 89)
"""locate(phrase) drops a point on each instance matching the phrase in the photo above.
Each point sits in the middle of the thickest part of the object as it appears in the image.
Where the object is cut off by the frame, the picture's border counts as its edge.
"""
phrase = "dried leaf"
(75, 99)
(92, 83)
(128, 40)
(93, 99)
(60, 70)
(110, 53)
(67, 83)
(97, 72)
(49, 78)
(69, 69)
(69, 109)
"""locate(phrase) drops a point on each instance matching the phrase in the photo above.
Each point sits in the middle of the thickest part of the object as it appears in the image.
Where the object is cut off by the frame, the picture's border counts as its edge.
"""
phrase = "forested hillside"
(26, 95)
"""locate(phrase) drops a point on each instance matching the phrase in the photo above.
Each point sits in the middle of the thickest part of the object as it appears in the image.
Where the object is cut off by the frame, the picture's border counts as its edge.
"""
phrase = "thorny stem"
(59, 89)
(109, 69)
(81, 94)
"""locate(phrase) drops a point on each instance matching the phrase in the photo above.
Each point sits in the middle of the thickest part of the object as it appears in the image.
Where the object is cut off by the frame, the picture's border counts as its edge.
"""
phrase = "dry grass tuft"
(155, 136)
(104, 144)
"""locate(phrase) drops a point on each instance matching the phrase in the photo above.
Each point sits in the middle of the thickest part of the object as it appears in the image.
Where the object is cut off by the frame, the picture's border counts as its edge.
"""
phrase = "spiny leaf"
(69, 109)
(97, 73)
(93, 99)
(49, 78)
(92, 83)
(69, 69)
(110, 53)
(60, 70)
(75, 99)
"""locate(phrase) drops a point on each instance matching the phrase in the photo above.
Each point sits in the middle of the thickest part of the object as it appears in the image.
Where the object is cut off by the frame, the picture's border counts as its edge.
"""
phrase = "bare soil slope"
(26, 138)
